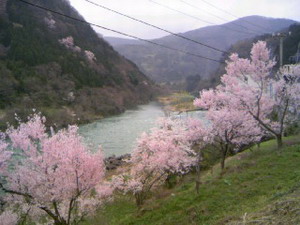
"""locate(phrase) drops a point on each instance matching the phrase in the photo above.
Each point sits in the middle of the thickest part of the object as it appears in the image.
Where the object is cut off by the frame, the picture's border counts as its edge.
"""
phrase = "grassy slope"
(262, 183)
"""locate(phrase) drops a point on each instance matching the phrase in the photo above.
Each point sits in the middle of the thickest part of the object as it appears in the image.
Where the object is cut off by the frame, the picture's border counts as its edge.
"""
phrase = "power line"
(197, 18)
(253, 24)
(159, 28)
(216, 16)
(118, 32)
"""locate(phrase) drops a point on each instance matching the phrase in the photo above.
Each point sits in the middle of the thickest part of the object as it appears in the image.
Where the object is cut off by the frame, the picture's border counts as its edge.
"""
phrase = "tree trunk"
(171, 181)
(57, 220)
(223, 158)
(139, 199)
(279, 141)
(223, 162)
(198, 170)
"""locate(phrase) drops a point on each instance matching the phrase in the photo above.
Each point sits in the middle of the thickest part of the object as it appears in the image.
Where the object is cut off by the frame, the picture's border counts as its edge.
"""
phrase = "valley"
(149, 112)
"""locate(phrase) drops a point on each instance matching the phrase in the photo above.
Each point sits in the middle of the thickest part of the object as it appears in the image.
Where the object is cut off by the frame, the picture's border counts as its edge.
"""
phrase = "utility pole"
(281, 36)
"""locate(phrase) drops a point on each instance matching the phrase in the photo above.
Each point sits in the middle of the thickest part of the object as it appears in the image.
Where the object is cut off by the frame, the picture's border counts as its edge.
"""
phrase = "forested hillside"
(61, 67)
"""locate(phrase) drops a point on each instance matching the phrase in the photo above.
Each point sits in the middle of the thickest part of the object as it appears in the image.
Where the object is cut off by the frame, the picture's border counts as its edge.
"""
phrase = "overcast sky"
(174, 21)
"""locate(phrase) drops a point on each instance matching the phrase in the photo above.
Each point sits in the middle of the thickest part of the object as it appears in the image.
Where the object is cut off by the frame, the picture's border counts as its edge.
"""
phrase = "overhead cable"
(222, 10)
(159, 28)
(197, 18)
(219, 17)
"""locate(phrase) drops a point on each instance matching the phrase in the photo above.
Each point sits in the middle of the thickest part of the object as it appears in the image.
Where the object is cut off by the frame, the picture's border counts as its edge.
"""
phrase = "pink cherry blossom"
(248, 87)
(160, 153)
(55, 173)
(68, 42)
(90, 56)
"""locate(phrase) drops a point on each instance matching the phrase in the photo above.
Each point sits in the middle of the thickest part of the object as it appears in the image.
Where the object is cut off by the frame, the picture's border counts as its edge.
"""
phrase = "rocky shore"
(112, 162)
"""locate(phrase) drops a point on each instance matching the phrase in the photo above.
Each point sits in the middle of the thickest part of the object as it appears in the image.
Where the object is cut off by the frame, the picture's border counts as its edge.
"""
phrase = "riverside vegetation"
(178, 102)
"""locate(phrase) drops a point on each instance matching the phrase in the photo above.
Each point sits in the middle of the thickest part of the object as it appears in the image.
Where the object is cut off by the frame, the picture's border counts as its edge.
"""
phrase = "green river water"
(117, 135)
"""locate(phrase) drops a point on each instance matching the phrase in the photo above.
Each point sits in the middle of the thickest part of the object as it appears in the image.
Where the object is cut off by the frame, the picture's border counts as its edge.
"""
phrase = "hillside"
(290, 44)
(61, 67)
(260, 186)
(243, 47)
(165, 65)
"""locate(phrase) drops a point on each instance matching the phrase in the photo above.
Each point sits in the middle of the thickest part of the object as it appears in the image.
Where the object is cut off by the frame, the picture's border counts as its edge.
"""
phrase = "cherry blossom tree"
(159, 154)
(50, 22)
(68, 42)
(249, 88)
(230, 130)
(197, 135)
(54, 174)
(287, 99)
(90, 56)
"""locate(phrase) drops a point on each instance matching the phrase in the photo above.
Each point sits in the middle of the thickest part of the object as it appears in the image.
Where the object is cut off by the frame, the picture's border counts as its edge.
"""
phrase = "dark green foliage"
(292, 129)
(34, 43)
(8, 87)
(133, 78)
(192, 82)
(291, 43)
(5, 37)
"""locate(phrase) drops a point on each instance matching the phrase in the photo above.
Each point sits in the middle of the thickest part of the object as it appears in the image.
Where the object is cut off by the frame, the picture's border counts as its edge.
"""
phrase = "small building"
(295, 58)
(290, 69)
(291, 74)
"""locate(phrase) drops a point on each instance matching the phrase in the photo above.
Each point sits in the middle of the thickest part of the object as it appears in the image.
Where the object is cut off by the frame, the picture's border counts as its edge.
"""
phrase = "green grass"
(253, 181)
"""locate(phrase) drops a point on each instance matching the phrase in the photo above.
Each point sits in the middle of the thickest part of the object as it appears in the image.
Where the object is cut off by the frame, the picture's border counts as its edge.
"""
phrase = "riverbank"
(82, 107)
(260, 186)
(177, 102)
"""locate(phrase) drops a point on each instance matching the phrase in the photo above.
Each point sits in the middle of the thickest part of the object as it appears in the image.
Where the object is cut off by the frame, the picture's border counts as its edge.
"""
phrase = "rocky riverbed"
(113, 162)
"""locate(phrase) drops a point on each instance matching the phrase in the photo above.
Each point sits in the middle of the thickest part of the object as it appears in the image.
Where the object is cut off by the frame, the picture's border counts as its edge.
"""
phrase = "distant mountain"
(164, 65)
(61, 67)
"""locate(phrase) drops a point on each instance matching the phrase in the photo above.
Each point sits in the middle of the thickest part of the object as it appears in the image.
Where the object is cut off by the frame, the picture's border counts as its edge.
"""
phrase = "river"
(117, 135)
